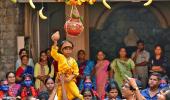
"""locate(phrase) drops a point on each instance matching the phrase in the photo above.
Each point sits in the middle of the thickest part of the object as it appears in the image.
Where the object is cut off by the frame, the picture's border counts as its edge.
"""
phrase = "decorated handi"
(73, 25)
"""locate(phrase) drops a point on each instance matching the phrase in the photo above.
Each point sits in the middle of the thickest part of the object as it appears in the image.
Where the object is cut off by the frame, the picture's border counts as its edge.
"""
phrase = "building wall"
(98, 9)
(109, 27)
(11, 25)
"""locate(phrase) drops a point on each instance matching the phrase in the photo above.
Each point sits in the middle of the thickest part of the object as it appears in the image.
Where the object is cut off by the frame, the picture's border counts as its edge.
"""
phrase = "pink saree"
(101, 77)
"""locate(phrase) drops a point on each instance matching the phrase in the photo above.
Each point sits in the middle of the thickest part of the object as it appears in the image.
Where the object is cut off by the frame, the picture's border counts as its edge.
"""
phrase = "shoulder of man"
(144, 92)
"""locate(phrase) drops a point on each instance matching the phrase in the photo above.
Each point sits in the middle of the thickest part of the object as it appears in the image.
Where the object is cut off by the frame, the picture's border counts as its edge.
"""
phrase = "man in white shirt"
(141, 58)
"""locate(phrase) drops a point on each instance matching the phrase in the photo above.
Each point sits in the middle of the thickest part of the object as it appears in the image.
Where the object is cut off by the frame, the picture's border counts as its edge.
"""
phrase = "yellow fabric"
(67, 67)
(37, 71)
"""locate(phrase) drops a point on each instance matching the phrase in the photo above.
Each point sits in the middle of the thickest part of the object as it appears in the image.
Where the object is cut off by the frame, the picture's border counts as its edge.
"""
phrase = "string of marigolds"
(74, 25)
(74, 3)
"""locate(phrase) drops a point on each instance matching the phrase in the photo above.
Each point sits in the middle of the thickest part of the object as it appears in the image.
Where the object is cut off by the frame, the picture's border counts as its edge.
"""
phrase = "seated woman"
(22, 52)
(67, 66)
(51, 90)
(42, 71)
(27, 89)
(24, 69)
(13, 87)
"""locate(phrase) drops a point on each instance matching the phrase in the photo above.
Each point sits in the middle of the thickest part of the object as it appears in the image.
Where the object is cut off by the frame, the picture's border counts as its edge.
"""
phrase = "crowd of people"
(58, 76)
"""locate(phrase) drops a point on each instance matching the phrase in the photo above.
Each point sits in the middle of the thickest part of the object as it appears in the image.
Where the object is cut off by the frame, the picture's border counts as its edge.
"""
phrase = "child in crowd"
(27, 89)
(113, 92)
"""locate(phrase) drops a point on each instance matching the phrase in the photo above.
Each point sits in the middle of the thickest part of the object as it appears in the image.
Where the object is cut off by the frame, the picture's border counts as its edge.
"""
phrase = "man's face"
(153, 81)
(126, 92)
(140, 46)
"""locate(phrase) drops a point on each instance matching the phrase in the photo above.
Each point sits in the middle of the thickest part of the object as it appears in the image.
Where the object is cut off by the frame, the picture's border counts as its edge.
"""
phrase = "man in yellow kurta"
(67, 66)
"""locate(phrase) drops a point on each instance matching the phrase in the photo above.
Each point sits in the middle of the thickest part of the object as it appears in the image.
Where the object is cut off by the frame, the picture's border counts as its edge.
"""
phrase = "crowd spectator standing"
(101, 79)
(122, 66)
(141, 59)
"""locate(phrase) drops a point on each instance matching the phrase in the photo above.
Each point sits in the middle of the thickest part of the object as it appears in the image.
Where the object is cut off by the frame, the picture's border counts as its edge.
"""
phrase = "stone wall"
(11, 25)
(109, 28)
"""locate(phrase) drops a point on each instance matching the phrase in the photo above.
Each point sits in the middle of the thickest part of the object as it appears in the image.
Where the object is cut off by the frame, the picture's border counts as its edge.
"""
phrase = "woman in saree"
(122, 66)
(85, 69)
(101, 73)
(67, 66)
(42, 71)
(24, 69)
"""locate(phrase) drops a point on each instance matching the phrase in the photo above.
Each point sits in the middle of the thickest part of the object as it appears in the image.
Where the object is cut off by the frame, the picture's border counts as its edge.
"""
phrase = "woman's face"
(122, 53)
(87, 95)
(100, 55)
(113, 93)
(158, 50)
(81, 55)
(24, 60)
(44, 56)
(50, 84)
(11, 78)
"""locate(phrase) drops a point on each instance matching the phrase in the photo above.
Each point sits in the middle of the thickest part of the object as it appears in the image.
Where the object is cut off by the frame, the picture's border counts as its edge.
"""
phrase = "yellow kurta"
(37, 71)
(67, 67)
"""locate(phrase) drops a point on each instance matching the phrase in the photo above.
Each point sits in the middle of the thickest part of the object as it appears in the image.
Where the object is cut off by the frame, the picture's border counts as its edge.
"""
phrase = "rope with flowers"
(80, 2)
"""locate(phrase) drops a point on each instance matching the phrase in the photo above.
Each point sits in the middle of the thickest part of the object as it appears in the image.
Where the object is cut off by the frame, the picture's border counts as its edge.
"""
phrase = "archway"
(111, 28)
